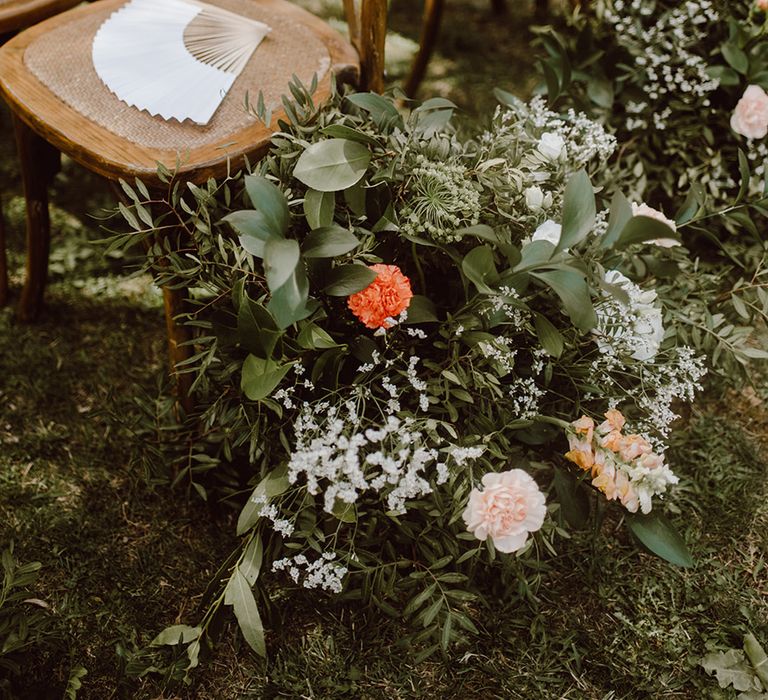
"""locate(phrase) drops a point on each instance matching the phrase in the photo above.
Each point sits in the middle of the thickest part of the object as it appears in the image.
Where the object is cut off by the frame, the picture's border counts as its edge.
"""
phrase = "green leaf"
(253, 229)
(757, 657)
(549, 337)
(176, 634)
(328, 242)
(348, 279)
(600, 91)
(332, 165)
(419, 600)
(341, 131)
(578, 211)
(731, 668)
(240, 596)
(281, 255)
(735, 57)
(250, 564)
(570, 286)
(345, 512)
(256, 329)
(744, 177)
(261, 377)
(319, 208)
(275, 483)
(618, 218)
(479, 267)
(691, 205)
(421, 310)
(289, 303)
(270, 202)
(313, 337)
(382, 110)
(659, 535)
(574, 499)
(643, 228)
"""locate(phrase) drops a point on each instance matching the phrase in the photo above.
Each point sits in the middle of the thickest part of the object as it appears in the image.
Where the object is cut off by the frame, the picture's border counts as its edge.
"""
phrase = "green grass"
(122, 560)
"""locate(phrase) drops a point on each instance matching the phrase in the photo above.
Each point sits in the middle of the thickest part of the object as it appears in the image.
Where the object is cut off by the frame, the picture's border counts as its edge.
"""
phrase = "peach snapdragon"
(624, 467)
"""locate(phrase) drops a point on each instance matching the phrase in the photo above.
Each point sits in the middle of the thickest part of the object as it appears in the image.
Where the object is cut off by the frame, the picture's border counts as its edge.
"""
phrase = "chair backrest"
(367, 20)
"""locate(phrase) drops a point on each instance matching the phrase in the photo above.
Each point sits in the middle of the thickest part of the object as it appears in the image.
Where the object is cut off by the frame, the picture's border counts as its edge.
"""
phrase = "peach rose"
(750, 118)
(510, 506)
(385, 298)
(761, 5)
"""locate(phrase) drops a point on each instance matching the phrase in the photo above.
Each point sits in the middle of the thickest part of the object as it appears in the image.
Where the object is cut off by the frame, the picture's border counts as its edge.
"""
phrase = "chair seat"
(15, 14)
(47, 78)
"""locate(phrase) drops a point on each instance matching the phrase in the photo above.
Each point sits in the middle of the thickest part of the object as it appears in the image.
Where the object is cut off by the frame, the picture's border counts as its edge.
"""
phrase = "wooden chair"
(430, 29)
(84, 120)
(15, 15)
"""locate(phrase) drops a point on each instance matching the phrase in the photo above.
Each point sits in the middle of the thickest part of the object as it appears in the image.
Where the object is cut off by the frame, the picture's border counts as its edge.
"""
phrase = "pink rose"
(509, 507)
(750, 118)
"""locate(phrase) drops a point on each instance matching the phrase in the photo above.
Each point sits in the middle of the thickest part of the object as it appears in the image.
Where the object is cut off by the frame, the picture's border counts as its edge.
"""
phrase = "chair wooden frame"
(45, 126)
(14, 16)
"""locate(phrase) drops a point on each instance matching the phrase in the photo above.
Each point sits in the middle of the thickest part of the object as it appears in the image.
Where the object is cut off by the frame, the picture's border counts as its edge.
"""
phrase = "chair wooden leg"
(3, 262)
(542, 10)
(430, 28)
(36, 157)
(499, 7)
(372, 35)
(175, 301)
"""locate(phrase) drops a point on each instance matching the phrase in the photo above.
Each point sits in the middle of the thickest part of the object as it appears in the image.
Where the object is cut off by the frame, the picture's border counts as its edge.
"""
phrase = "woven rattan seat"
(59, 104)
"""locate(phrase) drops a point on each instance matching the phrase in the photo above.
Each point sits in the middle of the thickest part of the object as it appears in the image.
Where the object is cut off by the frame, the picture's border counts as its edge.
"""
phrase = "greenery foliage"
(522, 318)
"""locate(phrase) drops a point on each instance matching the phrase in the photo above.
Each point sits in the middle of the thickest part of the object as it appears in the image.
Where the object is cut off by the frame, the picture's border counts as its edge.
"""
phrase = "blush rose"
(508, 508)
(750, 117)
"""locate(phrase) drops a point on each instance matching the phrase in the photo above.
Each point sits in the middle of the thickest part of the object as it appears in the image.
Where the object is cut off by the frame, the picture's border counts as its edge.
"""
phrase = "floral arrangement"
(682, 87)
(401, 333)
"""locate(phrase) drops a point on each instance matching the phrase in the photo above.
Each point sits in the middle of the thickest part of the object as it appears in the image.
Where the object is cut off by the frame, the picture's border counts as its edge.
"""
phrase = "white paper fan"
(174, 58)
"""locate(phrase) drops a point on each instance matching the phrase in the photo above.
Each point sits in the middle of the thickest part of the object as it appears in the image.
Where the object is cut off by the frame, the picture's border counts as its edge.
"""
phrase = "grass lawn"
(121, 558)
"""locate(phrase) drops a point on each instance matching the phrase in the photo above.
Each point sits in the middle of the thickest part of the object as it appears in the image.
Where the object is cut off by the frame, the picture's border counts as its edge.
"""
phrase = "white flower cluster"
(582, 138)
(270, 512)
(668, 51)
(339, 457)
(628, 328)
(323, 572)
(678, 380)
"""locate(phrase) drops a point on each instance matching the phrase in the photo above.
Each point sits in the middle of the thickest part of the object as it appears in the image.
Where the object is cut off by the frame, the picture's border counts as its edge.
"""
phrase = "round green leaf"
(332, 165)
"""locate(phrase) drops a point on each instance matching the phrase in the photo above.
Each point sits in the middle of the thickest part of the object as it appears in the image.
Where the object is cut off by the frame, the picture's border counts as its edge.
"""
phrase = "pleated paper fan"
(174, 58)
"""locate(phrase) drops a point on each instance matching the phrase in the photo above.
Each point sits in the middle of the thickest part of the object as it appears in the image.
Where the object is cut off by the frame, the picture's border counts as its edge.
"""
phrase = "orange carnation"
(386, 297)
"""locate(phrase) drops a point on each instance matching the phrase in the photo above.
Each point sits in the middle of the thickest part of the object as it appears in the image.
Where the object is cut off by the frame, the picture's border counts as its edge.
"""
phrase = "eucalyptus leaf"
(281, 256)
(570, 286)
(480, 268)
(260, 376)
(640, 229)
(332, 165)
(256, 328)
(319, 208)
(270, 202)
(348, 279)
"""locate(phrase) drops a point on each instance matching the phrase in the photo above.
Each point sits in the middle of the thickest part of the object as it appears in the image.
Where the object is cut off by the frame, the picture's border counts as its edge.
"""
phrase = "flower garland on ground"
(394, 321)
